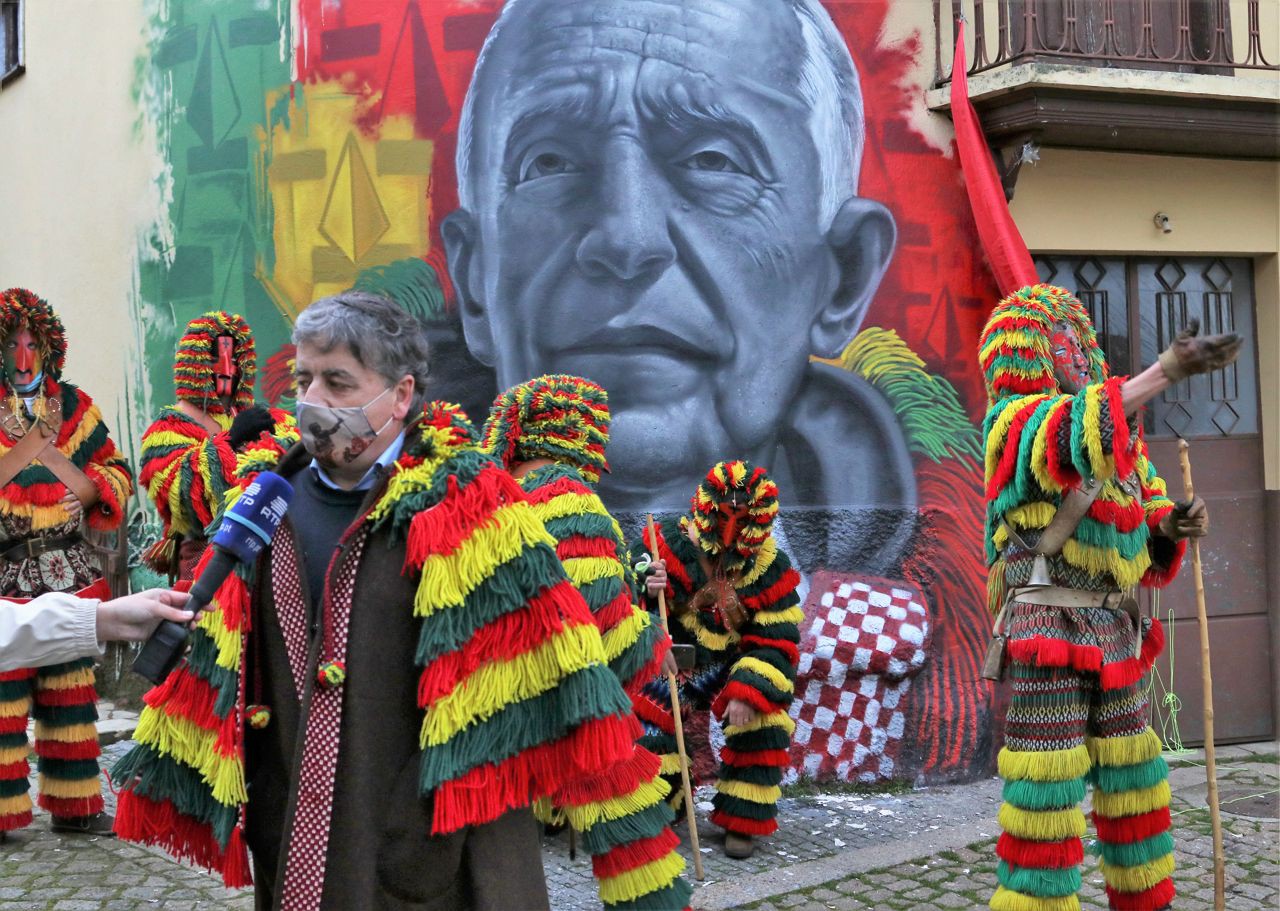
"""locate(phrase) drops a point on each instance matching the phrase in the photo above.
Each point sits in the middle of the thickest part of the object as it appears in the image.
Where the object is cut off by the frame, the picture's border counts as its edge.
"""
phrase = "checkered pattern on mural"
(862, 641)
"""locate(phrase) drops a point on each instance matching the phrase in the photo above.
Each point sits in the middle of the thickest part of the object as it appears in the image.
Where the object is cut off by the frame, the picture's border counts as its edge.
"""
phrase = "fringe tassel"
(1008, 900)
(1045, 825)
(1046, 765)
(642, 880)
(619, 860)
(621, 778)
(1131, 803)
(1138, 879)
(743, 826)
(486, 792)
(1067, 852)
(1128, 830)
(1124, 751)
(1159, 896)
(1044, 651)
(1125, 673)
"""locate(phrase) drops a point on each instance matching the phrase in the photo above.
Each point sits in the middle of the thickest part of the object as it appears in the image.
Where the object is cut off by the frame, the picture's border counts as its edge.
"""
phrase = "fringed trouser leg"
(67, 739)
(1130, 803)
(15, 705)
(1063, 731)
(751, 765)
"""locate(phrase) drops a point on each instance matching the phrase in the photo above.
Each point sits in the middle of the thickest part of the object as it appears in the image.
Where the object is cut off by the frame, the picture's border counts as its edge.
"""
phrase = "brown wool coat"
(380, 855)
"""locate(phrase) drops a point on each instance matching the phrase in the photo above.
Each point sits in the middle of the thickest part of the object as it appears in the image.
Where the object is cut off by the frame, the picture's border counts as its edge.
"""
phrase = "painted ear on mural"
(461, 237)
(862, 238)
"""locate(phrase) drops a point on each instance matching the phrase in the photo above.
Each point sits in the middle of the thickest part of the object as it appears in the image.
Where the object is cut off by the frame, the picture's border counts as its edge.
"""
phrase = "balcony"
(1192, 77)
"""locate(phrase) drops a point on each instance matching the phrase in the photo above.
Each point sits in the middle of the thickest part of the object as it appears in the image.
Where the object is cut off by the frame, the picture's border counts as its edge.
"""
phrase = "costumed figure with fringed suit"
(59, 471)
(1077, 519)
(189, 452)
(732, 593)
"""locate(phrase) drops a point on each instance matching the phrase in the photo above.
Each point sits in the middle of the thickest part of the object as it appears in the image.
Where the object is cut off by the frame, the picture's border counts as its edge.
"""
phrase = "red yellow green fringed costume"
(755, 663)
(43, 552)
(1077, 714)
(557, 427)
(515, 701)
(188, 463)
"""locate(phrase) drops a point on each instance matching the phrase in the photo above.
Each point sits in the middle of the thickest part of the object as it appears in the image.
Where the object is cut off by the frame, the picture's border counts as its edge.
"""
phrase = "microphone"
(245, 531)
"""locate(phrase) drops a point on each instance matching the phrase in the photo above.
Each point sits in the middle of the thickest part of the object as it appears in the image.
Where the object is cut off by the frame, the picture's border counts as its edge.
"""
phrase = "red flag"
(1001, 241)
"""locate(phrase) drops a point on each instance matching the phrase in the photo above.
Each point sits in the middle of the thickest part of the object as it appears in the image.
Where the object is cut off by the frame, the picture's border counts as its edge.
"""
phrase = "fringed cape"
(188, 472)
(34, 492)
(591, 547)
(518, 703)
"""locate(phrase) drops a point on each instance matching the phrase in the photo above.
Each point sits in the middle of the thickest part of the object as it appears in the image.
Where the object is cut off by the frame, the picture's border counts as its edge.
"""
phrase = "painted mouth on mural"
(639, 341)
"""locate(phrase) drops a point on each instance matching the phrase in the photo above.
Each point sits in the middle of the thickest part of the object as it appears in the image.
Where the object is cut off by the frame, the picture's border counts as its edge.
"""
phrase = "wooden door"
(1138, 304)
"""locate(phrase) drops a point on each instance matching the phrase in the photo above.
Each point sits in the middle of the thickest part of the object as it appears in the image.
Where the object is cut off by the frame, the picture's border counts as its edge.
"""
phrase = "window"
(11, 63)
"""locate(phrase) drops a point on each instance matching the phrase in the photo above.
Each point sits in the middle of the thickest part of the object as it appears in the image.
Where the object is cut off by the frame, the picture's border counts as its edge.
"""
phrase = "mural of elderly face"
(661, 195)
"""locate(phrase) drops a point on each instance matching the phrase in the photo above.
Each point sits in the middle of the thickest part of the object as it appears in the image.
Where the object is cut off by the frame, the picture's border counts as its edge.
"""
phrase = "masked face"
(1070, 364)
(224, 367)
(338, 436)
(23, 364)
(731, 515)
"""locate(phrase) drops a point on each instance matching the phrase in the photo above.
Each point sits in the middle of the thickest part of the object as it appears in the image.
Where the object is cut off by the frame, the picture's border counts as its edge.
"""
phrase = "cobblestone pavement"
(836, 849)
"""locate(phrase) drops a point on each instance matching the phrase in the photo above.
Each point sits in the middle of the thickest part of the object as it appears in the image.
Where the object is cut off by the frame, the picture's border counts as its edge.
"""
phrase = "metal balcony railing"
(1190, 36)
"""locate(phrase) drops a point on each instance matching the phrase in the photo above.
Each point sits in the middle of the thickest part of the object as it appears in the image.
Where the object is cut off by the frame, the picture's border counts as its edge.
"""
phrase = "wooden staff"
(1210, 762)
(675, 713)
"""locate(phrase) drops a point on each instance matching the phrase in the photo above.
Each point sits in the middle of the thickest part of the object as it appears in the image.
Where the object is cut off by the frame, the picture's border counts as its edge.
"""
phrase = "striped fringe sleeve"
(764, 674)
(186, 472)
(91, 449)
(182, 785)
(1166, 554)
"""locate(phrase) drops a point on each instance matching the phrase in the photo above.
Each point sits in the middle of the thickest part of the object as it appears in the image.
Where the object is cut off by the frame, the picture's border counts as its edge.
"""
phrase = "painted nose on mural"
(629, 241)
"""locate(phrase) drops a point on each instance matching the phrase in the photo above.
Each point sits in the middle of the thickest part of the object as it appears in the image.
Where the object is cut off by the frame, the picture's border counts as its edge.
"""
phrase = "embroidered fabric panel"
(291, 606)
(309, 838)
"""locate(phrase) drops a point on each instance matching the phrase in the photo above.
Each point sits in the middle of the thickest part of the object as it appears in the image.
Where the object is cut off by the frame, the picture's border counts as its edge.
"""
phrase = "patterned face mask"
(338, 435)
(1069, 360)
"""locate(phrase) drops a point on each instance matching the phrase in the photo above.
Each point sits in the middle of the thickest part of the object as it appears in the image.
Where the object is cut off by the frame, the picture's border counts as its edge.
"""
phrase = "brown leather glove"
(1187, 519)
(1189, 354)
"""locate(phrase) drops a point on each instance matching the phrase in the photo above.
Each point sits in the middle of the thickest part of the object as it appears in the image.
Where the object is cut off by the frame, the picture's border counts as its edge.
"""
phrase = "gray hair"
(380, 334)
(828, 83)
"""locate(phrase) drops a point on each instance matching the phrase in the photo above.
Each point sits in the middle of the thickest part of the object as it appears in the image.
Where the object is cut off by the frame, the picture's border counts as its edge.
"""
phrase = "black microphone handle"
(169, 640)
(211, 579)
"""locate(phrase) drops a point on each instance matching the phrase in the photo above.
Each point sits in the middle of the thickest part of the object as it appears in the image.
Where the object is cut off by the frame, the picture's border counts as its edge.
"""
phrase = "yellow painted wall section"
(1077, 201)
(78, 184)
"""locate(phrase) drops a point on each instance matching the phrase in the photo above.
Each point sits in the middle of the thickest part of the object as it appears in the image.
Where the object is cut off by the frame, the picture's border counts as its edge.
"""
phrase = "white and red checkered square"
(862, 640)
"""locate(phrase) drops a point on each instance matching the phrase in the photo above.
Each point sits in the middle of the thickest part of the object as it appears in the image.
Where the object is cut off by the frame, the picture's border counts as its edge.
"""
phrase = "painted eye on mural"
(712, 160)
(546, 164)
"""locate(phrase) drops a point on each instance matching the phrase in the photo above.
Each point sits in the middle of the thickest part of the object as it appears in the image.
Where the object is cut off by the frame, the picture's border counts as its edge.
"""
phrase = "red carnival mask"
(225, 367)
(731, 517)
(22, 360)
(1069, 360)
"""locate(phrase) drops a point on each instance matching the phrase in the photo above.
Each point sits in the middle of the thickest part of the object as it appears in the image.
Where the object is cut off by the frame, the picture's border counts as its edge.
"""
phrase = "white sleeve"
(50, 629)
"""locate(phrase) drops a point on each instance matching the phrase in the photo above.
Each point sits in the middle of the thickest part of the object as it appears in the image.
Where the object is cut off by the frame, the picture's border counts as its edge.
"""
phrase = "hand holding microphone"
(245, 531)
